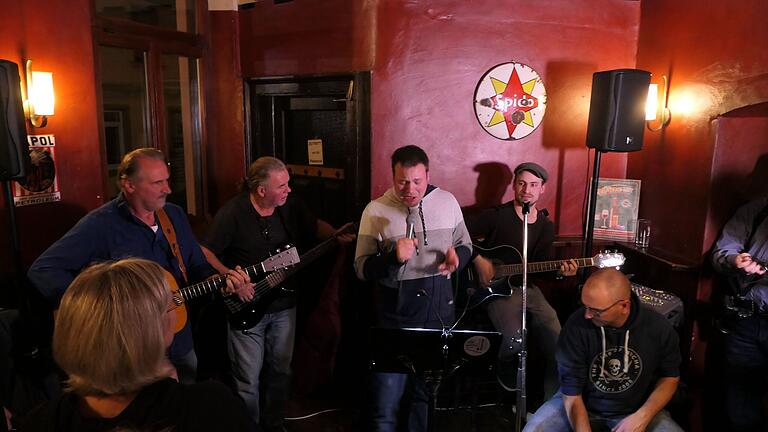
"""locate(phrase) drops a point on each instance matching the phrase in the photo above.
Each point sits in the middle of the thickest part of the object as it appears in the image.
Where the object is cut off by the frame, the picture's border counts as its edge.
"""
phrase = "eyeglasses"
(597, 312)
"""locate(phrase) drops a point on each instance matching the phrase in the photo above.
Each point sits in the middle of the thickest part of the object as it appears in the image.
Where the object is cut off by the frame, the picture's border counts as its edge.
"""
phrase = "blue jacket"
(112, 232)
(733, 241)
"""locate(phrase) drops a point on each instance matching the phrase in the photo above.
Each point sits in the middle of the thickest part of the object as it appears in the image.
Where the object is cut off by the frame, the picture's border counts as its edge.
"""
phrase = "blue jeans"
(551, 417)
(267, 345)
(186, 367)
(387, 391)
(746, 353)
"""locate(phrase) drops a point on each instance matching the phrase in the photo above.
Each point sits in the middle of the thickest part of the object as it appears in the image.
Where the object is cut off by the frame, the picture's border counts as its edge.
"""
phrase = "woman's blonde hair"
(110, 334)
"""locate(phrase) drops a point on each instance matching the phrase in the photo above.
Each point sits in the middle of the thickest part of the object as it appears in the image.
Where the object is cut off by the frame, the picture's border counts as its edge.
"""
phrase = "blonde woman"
(111, 335)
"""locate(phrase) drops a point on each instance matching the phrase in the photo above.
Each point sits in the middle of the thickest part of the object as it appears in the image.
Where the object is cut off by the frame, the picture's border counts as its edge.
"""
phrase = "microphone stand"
(521, 367)
(433, 379)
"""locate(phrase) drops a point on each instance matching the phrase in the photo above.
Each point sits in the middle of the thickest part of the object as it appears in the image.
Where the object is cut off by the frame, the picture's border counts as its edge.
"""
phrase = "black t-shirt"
(240, 236)
(501, 226)
(163, 405)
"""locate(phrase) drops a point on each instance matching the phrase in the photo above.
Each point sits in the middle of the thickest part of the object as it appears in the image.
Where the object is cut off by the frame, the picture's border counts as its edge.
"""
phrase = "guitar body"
(179, 310)
(244, 315)
(471, 294)
(279, 261)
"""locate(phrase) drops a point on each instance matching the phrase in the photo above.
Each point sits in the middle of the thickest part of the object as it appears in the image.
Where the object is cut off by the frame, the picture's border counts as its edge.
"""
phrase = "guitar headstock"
(608, 259)
(282, 259)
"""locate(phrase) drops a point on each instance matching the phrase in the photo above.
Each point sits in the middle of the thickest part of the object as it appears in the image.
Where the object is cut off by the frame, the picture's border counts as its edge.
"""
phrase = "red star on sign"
(514, 102)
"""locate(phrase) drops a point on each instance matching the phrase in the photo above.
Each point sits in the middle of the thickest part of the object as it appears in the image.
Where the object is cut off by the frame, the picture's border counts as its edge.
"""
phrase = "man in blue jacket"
(740, 255)
(128, 226)
(618, 362)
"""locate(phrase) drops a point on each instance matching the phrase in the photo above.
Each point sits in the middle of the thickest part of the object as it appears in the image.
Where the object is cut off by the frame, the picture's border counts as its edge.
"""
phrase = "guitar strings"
(264, 285)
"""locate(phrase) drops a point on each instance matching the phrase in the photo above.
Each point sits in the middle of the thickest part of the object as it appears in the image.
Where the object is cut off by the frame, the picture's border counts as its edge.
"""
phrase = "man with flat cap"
(619, 364)
(499, 231)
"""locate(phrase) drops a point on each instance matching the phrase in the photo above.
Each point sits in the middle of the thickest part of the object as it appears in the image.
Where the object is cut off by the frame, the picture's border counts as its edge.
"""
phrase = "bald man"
(618, 362)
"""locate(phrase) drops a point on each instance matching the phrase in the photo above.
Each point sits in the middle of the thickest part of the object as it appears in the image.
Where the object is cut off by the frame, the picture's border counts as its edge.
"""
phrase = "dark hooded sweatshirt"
(616, 369)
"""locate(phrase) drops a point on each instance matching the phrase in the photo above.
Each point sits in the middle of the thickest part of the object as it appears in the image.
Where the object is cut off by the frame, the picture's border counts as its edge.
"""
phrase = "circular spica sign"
(510, 100)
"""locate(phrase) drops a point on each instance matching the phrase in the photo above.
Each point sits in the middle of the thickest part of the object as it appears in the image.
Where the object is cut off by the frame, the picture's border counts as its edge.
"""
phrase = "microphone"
(526, 207)
(410, 230)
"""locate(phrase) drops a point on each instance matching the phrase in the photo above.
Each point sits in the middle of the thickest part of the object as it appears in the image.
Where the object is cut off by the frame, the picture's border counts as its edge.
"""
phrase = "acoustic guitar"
(500, 285)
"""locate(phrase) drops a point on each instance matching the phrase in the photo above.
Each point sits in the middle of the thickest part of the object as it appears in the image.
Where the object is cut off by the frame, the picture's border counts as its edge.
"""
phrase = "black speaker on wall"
(617, 110)
(14, 151)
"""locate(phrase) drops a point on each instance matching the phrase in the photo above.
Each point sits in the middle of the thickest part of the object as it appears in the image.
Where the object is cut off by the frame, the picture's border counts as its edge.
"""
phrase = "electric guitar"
(180, 296)
(501, 286)
(244, 315)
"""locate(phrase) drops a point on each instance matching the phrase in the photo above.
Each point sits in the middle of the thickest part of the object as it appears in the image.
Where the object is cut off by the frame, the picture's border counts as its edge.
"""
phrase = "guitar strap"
(170, 235)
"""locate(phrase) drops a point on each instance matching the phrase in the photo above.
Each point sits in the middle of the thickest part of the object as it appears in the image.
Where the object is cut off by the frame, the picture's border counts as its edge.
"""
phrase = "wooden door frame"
(358, 159)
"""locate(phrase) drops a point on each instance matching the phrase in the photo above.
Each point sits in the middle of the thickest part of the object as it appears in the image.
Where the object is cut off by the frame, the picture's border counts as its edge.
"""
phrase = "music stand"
(431, 353)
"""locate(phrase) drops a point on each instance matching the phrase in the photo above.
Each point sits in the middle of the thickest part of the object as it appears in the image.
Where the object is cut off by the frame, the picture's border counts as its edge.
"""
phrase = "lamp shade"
(650, 103)
(41, 94)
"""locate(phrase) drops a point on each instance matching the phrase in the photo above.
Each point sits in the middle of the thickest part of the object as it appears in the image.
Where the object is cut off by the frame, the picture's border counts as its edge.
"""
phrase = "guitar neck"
(215, 283)
(539, 267)
(277, 277)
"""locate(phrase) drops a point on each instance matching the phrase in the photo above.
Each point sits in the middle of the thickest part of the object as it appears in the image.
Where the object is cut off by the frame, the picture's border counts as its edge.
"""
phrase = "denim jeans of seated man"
(269, 346)
(746, 353)
(186, 367)
(390, 392)
(551, 417)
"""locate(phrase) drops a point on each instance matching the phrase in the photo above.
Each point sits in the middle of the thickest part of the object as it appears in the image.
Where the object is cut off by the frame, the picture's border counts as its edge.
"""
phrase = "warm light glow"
(652, 106)
(41, 93)
(692, 100)
(39, 102)
(651, 102)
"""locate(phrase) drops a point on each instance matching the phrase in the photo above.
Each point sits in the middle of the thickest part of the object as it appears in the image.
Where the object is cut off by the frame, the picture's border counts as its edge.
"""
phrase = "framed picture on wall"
(616, 208)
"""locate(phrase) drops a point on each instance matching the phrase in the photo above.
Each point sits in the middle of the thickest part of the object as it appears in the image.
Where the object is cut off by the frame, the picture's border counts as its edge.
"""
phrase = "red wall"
(426, 59)
(714, 55)
(57, 37)
(701, 167)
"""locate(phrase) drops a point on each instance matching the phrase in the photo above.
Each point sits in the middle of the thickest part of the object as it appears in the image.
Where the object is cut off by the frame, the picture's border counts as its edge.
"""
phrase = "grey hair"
(258, 172)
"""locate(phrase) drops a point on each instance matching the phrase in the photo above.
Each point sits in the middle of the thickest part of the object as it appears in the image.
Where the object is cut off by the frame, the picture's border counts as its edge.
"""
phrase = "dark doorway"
(328, 117)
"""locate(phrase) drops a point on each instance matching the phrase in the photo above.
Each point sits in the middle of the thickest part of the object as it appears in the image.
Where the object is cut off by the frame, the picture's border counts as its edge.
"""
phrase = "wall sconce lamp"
(652, 106)
(40, 98)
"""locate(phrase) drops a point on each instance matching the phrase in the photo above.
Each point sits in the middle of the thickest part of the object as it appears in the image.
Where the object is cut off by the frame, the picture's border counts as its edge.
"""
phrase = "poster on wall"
(616, 208)
(41, 185)
(315, 151)
(510, 101)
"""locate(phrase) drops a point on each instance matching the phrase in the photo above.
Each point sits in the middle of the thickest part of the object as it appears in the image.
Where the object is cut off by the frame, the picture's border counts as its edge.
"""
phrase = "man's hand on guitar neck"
(326, 231)
(344, 237)
(239, 284)
(745, 262)
(238, 281)
(569, 268)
